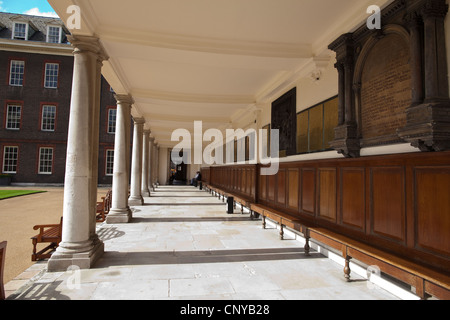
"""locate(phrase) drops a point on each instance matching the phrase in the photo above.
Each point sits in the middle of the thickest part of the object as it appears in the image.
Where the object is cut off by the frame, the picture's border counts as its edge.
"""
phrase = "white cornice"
(198, 98)
(211, 45)
(36, 47)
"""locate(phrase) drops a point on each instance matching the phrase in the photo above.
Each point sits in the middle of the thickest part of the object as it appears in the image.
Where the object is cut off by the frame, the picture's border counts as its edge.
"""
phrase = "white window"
(51, 75)
(109, 162)
(112, 114)
(13, 116)
(20, 31)
(54, 34)
(45, 160)
(48, 118)
(10, 157)
(16, 73)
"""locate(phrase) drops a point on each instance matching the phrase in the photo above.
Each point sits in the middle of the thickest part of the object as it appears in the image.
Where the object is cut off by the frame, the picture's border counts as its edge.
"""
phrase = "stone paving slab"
(199, 251)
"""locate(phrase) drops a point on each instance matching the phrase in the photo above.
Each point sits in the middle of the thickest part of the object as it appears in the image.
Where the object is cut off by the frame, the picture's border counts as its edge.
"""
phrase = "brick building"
(36, 69)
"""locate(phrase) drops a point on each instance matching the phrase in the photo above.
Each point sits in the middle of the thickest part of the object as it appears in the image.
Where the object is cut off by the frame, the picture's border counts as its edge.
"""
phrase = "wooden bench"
(50, 233)
(284, 220)
(2, 268)
(103, 207)
(425, 280)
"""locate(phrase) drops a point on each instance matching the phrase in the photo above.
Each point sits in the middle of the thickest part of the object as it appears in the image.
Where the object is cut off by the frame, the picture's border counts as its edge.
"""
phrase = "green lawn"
(5, 194)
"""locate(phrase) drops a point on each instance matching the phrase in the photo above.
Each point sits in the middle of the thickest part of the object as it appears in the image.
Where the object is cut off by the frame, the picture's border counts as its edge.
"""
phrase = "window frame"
(42, 122)
(107, 157)
(27, 26)
(57, 75)
(11, 73)
(40, 160)
(7, 114)
(59, 35)
(108, 121)
(4, 159)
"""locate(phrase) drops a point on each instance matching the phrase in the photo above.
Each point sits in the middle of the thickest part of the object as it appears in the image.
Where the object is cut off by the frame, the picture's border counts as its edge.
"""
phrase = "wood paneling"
(388, 202)
(396, 202)
(281, 187)
(327, 194)
(308, 190)
(353, 197)
(271, 188)
(293, 188)
(263, 188)
(433, 209)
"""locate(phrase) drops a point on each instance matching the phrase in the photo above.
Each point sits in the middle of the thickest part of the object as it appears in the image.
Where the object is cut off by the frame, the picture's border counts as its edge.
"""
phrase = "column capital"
(139, 121)
(124, 99)
(152, 139)
(88, 44)
(147, 132)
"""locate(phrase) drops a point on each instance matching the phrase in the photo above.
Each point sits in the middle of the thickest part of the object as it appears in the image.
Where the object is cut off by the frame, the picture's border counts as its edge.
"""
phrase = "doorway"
(178, 172)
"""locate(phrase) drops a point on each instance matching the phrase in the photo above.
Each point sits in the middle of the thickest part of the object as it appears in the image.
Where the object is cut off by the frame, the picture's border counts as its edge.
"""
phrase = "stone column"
(145, 164)
(120, 211)
(151, 157)
(79, 246)
(157, 165)
(135, 198)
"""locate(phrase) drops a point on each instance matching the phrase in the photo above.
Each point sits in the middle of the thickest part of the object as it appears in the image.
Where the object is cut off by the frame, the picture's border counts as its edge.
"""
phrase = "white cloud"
(1, 5)
(37, 12)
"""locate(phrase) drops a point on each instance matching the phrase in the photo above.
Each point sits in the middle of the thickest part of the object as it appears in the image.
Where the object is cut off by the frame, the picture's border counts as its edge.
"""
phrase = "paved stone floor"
(183, 245)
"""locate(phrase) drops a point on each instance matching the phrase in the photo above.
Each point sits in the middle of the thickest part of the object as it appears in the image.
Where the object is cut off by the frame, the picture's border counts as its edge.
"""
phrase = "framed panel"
(302, 132)
(353, 206)
(293, 188)
(316, 128)
(281, 187)
(308, 193)
(327, 194)
(388, 215)
(432, 208)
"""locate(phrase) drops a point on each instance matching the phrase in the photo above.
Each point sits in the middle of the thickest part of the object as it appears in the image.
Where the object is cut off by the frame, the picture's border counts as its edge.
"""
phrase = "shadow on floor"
(193, 219)
(114, 258)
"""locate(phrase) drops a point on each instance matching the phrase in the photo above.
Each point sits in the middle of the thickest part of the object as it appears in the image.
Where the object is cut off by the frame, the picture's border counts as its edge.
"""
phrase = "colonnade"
(135, 171)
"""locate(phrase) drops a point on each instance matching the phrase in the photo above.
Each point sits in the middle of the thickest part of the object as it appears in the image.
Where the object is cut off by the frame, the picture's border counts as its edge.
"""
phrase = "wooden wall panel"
(433, 209)
(262, 188)
(281, 187)
(293, 188)
(249, 181)
(388, 214)
(308, 190)
(327, 194)
(397, 202)
(271, 188)
(353, 195)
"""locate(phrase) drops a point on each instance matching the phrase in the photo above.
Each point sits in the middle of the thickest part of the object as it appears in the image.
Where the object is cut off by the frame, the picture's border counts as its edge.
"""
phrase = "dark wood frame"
(421, 23)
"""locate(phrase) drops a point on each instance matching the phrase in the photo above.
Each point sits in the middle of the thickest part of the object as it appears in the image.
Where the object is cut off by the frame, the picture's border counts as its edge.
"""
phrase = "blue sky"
(33, 7)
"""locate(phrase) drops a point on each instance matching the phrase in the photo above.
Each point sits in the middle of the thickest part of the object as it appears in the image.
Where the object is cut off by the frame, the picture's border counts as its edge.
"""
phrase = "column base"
(145, 193)
(61, 260)
(135, 201)
(119, 216)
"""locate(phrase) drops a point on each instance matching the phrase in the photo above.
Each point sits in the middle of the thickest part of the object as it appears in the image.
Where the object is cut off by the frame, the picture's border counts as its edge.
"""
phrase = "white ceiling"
(186, 60)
